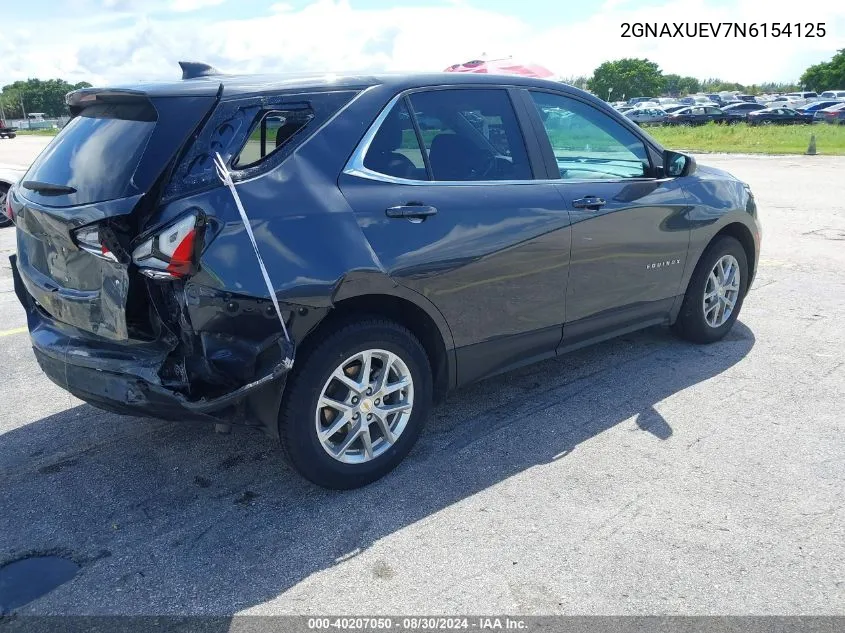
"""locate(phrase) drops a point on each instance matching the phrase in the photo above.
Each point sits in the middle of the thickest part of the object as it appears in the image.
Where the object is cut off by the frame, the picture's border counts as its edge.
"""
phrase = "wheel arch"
(407, 308)
(741, 234)
(736, 229)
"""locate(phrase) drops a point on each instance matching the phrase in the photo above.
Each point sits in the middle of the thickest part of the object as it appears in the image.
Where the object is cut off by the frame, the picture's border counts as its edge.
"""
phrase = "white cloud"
(332, 35)
(183, 6)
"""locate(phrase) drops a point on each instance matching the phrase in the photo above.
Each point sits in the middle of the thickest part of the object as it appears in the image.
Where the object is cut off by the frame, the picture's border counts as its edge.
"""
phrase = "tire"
(691, 323)
(299, 415)
(4, 221)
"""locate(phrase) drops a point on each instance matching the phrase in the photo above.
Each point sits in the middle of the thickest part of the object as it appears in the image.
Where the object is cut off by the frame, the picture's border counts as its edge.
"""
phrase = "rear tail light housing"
(171, 252)
(88, 238)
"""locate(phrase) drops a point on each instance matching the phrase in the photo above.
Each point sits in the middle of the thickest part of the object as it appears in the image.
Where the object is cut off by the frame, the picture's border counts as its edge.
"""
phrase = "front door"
(461, 221)
(629, 230)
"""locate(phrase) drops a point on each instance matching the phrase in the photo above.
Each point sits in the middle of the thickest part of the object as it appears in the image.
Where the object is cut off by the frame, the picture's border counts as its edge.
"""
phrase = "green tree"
(579, 81)
(717, 85)
(678, 86)
(827, 75)
(630, 77)
(47, 96)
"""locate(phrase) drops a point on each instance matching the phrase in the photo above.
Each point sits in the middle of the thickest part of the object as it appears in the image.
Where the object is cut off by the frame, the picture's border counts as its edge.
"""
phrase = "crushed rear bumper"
(123, 377)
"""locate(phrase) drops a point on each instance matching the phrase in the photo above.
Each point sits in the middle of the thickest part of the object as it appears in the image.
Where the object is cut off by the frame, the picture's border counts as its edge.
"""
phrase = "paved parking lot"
(644, 475)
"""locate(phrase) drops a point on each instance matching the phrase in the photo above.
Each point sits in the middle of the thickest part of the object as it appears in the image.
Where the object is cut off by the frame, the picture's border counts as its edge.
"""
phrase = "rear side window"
(271, 130)
(395, 150)
(587, 143)
(464, 135)
(97, 153)
(471, 135)
(253, 135)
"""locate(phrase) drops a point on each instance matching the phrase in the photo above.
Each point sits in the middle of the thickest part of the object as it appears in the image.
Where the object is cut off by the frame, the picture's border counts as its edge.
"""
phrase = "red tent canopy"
(502, 67)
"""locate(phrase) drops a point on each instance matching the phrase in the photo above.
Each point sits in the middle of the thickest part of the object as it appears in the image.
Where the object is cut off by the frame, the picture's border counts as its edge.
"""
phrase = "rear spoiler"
(84, 97)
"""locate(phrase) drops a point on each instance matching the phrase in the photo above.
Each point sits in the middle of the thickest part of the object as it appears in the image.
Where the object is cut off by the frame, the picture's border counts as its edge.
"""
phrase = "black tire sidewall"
(297, 429)
(691, 323)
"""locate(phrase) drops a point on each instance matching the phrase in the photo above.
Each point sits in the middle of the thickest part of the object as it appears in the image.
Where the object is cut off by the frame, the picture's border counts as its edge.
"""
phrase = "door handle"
(589, 202)
(414, 211)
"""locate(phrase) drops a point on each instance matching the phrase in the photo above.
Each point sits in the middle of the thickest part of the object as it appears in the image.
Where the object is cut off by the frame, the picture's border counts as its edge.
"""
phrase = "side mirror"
(676, 164)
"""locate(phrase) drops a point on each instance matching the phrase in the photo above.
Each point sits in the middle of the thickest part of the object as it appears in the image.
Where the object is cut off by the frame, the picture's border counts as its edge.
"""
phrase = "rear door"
(99, 169)
(444, 189)
(630, 232)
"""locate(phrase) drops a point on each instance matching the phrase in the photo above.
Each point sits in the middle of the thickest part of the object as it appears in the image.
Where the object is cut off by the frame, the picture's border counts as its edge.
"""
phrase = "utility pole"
(23, 111)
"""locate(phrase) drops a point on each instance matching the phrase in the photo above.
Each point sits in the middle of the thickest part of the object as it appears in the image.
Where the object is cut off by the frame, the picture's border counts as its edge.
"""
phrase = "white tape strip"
(226, 177)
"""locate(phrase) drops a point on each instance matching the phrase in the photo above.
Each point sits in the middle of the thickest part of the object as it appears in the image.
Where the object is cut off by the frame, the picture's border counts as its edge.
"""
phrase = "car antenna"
(192, 70)
(226, 177)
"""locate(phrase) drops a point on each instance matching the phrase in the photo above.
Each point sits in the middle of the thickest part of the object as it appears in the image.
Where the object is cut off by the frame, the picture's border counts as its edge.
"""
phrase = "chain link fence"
(38, 124)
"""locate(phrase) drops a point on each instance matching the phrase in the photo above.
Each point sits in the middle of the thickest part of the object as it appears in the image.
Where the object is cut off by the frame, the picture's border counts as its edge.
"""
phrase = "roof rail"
(192, 70)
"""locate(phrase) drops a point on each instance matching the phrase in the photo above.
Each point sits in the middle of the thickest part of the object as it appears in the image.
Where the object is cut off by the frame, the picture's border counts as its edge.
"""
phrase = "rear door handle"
(415, 211)
(589, 202)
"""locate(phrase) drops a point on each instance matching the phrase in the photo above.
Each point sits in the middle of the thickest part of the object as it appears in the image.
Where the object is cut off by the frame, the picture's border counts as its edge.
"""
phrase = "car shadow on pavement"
(173, 519)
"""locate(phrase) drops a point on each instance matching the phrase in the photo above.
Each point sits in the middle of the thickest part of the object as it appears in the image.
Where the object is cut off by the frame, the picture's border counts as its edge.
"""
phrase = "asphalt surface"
(641, 476)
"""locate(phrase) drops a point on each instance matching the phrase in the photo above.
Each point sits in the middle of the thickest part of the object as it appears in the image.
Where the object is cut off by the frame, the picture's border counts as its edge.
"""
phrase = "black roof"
(236, 85)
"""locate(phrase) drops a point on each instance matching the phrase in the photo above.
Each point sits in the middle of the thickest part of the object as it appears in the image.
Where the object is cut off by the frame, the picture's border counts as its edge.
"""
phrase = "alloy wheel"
(364, 406)
(721, 291)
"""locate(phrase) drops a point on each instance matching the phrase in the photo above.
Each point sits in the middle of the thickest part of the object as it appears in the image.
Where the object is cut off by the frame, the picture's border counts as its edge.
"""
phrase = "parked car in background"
(647, 104)
(806, 96)
(788, 101)
(6, 131)
(673, 108)
(697, 115)
(142, 294)
(737, 112)
(778, 116)
(747, 98)
(816, 109)
(815, 106)
(635, 100)
(833, 94)
(647, 116)
(834, 114)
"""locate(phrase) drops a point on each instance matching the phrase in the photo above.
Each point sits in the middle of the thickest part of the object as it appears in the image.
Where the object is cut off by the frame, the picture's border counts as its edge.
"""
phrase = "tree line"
(36, 95)
(623, 78)
(633, 77)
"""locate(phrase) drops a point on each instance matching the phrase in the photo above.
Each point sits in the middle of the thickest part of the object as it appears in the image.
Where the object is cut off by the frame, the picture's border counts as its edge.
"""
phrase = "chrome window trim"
(355, 164)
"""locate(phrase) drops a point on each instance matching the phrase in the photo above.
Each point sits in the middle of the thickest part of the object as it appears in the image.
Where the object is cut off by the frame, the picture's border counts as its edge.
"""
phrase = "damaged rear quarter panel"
(311, 243)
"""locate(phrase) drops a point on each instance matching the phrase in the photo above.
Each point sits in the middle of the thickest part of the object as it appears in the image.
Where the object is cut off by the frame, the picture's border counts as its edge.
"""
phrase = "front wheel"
(715, 292)
(356, 404)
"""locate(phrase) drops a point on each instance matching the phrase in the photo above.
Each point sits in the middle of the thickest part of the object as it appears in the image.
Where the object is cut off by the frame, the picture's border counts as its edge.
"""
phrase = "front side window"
(587, 143)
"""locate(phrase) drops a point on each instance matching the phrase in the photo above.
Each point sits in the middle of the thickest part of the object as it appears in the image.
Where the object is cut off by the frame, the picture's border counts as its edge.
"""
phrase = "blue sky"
(106, 41)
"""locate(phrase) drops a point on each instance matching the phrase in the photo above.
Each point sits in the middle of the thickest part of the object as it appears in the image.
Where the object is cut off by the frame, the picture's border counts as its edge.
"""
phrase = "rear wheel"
(356, 404)
(715, 292)
(4, 191)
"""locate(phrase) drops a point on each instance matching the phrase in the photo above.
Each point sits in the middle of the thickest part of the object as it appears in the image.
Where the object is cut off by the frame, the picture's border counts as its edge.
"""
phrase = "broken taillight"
(170, 253)
(89, 240)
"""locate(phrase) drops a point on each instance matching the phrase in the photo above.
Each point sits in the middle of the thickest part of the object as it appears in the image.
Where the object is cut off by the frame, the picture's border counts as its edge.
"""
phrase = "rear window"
(97, 153)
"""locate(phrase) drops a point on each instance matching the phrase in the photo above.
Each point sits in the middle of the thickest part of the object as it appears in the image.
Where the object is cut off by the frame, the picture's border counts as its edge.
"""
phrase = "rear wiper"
(46, 188)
